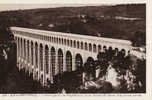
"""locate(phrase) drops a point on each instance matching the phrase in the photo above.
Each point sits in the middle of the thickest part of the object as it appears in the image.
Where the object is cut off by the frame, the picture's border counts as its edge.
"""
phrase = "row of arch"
(92, 47)
(59, 60)
(46, 59)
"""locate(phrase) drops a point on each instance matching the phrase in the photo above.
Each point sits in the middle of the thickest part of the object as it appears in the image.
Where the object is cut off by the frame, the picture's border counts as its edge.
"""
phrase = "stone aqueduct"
(47, 53)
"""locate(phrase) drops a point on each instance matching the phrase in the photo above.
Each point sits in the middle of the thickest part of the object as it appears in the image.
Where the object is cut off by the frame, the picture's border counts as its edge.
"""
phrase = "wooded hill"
(117, 21)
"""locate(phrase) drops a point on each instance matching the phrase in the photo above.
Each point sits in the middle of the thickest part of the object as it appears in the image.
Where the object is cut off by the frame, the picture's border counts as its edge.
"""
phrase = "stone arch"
(78, 62)
(81, 45)
(86, 46)
(117, 49)
(18, 42)
(28, 51)
(110, 48)
(65, 42)
(99, 48)
(20, 47)
(123, 51)
(94, 48)
(79, 67)
(53, 60)
(78, 46)
(32, 54)
(74, 44)
(90, 47)
(46, 59)
(104, 48)
(91, 65)
(60, 60)
(41, 57)
(62, 41)
(69, 61)
(24, 49)
(36, 54)
(47, 81)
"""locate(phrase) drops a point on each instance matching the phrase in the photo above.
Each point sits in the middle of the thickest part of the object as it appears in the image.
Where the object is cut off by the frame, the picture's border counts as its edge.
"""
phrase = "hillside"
(120, 21)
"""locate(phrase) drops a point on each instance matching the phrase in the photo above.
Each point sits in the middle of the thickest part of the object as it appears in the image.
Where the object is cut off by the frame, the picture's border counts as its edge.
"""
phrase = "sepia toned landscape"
(87, 49)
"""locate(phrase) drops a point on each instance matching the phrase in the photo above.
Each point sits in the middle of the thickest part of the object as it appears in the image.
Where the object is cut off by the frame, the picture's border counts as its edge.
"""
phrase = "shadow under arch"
(78, 62)
(46, 59)
(60, 60)
(69, 61)
(53, 61)
(41, 57)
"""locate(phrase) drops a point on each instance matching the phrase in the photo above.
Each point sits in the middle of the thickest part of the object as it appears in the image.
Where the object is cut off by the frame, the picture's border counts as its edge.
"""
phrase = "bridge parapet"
(69, 36)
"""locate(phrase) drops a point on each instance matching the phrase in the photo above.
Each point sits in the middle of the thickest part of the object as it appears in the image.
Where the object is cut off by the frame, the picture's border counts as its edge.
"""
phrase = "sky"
(31, 4)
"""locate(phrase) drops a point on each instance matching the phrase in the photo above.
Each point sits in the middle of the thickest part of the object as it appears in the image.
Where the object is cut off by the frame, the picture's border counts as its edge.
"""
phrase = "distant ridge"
(93, 21)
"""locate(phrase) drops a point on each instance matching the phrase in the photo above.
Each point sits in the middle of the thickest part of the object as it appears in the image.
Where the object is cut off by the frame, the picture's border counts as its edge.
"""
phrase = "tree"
(102, 63)
(90, 69)
(139, 39)
(68, 81)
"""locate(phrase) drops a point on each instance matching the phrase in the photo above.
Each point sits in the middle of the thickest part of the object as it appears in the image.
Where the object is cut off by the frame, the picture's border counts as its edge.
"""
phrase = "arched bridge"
(47, 53)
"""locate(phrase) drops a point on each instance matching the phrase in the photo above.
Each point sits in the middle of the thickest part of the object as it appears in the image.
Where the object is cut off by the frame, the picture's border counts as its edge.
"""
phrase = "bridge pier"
(73, 62)
(38, 63)
(56, 62)
(64, 64)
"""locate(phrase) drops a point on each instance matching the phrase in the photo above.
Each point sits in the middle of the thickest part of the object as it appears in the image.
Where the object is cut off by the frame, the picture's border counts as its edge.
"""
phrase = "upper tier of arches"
(88, 43)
